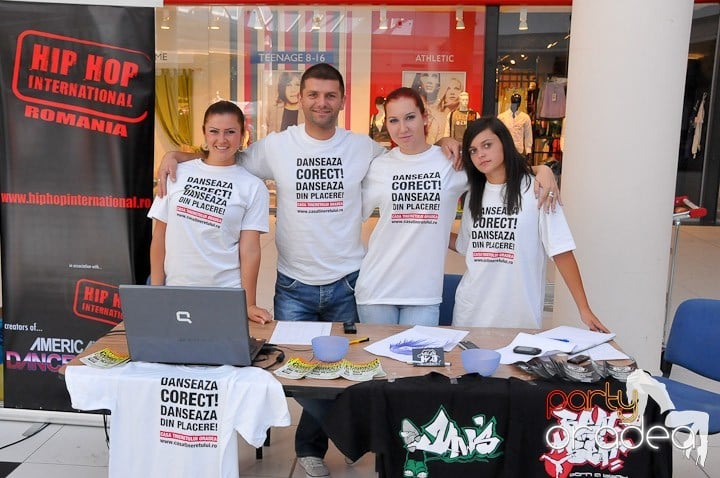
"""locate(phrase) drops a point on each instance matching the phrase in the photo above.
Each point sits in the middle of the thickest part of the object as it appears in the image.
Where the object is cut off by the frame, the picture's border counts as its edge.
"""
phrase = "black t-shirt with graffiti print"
(572, 430)
(425, 426)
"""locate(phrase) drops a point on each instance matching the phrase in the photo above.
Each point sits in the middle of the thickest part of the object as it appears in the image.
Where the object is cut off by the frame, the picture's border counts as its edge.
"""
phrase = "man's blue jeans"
(334, 302)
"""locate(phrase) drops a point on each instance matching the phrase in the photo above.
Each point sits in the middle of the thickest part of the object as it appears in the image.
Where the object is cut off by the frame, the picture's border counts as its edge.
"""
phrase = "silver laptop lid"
(186, 325)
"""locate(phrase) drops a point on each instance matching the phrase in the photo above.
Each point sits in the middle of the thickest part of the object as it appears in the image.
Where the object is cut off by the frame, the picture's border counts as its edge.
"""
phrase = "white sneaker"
(314, 467)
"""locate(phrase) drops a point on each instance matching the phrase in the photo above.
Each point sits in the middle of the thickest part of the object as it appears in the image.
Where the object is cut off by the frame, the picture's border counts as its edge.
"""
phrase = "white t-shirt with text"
(417, 197)
(205, 210)
(319, 216)
(506, 256)
(179, 421)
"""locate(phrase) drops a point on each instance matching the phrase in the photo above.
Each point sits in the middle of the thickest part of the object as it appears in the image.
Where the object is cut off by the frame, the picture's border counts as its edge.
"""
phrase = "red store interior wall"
(417, 41)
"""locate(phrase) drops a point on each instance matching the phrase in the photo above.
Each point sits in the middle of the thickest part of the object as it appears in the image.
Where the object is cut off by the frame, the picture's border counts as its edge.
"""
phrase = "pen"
(561, 340)
(360, 340)
(445, 364)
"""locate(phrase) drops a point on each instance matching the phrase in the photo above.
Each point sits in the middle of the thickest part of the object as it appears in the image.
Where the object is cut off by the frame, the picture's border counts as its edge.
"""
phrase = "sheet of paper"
(545, 344)
(453, 336)
(400, 345)
(582, 338)
(298, 333)
(605, 352)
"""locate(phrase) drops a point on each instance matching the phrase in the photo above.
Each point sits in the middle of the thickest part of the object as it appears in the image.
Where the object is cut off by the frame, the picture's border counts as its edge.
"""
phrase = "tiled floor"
(70, 451)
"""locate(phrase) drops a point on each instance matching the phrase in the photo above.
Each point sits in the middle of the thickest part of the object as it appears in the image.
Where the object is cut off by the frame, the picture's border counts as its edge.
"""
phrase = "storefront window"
(697, 176)
(254, 55)
(532, 69)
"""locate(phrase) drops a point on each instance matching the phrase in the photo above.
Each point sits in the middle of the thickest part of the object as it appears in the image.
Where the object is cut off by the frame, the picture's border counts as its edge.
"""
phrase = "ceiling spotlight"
(165, 24)
(255, 23)
(316, 22)
(523, 19)
(383, 19)
(214, 21)
(459, 23)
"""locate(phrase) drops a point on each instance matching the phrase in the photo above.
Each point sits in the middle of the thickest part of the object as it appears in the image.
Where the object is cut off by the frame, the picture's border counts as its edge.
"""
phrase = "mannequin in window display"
(378, 128)
(519, 124)
(458, 120)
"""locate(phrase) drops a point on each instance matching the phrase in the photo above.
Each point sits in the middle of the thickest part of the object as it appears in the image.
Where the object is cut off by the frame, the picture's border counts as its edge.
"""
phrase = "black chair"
(450, 283)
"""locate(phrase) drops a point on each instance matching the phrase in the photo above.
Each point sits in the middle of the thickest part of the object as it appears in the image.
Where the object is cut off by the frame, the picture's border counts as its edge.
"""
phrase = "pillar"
(626, 79)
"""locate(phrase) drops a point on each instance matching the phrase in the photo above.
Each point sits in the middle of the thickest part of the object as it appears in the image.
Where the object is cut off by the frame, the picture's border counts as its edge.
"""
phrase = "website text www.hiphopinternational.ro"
(83, 200)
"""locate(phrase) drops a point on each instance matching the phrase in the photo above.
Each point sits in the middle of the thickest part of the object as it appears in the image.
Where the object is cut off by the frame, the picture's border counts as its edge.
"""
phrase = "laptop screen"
(187, 325)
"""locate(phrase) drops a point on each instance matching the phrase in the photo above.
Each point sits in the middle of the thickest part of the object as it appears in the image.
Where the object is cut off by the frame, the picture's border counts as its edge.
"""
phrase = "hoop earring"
(204, 147)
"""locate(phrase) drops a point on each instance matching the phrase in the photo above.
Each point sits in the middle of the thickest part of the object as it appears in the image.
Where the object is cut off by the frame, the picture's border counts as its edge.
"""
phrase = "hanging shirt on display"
(697, 124)
(177, 421)
(552, 101)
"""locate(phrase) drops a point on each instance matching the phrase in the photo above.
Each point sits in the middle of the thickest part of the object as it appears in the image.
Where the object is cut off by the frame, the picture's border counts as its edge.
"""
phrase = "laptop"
(187, 325)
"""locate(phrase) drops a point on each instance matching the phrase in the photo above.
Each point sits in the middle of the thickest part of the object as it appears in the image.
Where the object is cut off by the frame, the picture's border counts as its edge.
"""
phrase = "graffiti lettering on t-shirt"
(443, 439)
(583, 438)
(319, 186)
(416, 198)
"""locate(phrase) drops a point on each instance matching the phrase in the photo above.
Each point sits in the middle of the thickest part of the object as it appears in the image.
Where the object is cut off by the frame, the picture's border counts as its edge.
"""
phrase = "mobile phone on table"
(525, 350)
(349, 328)
(578, 359)
(466, 344)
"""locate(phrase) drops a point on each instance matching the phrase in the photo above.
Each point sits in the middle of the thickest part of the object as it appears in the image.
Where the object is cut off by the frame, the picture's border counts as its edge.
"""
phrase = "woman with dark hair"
(286, 111)
(506, 241)
(207, 227)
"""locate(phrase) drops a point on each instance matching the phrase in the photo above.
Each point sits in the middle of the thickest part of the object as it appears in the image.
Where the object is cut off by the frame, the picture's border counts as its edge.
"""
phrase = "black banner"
(76, 162)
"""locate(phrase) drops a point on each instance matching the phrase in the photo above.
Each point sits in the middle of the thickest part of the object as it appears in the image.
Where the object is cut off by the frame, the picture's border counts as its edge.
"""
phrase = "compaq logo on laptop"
(183, 316)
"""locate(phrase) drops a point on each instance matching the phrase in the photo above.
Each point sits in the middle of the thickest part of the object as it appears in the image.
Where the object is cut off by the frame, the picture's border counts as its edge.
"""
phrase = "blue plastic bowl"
(482, 361)
(330, 348)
